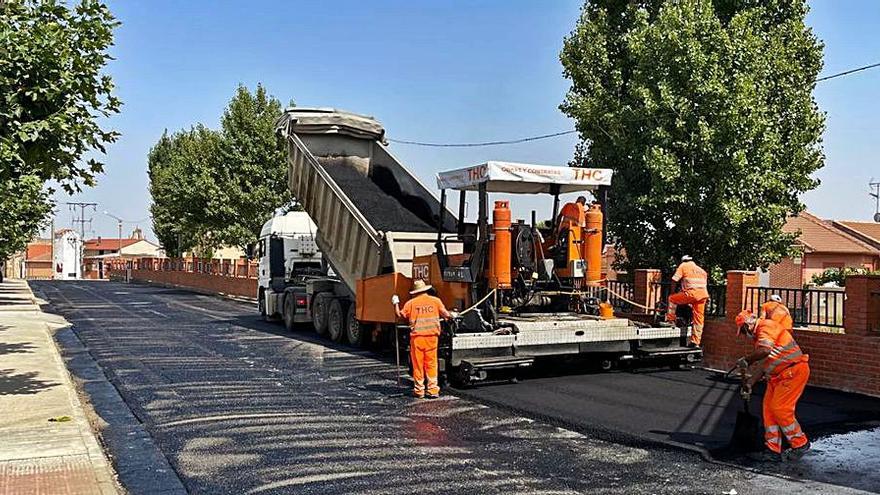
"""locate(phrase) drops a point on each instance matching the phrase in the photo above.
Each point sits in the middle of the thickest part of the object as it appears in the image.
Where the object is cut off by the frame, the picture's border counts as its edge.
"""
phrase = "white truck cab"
(288, 257)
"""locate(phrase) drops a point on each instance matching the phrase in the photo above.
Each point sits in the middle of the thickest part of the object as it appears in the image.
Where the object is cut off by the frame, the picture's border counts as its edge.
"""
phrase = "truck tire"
(320, 305)
(354, 331)
(261, 306)
(336, 321)
(289, 311)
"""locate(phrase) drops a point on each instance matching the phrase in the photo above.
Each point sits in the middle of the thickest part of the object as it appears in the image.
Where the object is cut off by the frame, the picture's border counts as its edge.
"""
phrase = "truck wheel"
(336, 320)
(354, 331)
(289, 312)
(319, 312)
(262, 307)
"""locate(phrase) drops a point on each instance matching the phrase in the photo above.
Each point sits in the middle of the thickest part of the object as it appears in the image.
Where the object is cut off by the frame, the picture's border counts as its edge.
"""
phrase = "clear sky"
(455, 71)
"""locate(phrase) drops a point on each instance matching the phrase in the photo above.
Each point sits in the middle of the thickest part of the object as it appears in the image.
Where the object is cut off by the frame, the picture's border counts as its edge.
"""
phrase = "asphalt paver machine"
(522, 291)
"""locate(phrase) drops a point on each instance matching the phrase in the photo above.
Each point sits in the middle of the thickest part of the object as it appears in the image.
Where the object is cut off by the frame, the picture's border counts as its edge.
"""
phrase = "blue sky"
(430, 71)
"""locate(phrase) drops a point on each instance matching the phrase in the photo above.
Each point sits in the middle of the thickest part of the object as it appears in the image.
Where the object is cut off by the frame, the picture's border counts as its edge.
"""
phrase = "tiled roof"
(39, 252)
(868, 232)
(820, 236)
(108, 244)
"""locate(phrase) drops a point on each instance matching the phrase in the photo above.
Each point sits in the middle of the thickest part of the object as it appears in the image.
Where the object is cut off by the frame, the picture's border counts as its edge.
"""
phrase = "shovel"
(746, 431)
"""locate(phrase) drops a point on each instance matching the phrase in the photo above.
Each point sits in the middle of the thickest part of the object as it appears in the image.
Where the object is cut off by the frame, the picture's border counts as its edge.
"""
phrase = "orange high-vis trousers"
(697, 301)
(783, 392)
(423, 356)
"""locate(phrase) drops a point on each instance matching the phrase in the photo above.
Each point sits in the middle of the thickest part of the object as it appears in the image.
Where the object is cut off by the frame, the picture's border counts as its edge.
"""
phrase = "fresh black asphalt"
(237, 405)
(689, 407)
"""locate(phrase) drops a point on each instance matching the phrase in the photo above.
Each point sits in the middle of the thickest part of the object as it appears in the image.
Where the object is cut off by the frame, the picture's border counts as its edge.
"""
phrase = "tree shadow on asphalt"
(12, 383)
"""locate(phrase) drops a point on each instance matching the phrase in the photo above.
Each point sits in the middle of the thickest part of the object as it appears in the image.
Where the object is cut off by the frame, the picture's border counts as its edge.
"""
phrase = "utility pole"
(875, 185)
(81, 219)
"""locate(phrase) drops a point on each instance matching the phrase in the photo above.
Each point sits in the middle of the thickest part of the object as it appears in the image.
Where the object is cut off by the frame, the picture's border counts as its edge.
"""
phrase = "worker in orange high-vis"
(778, 312)
(694, 292)
(575, 213)
(423, 312)
(786, 369)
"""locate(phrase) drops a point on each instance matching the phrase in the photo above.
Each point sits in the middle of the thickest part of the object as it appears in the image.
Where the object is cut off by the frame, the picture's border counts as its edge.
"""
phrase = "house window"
(832, 265)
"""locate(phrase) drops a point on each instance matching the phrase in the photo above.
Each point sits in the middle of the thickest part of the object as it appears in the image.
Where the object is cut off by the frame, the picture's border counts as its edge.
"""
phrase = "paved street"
(237, 405)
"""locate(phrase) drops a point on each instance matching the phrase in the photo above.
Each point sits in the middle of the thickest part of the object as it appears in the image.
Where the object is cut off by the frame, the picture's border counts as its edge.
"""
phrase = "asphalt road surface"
(237, 405)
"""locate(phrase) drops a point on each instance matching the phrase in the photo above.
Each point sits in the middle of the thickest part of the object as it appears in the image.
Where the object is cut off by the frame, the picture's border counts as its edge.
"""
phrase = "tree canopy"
(704, 110)
(53, 98)
(213, 188)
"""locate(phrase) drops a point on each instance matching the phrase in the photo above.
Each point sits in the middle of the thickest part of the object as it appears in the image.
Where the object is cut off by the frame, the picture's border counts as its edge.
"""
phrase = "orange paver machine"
(521, 290)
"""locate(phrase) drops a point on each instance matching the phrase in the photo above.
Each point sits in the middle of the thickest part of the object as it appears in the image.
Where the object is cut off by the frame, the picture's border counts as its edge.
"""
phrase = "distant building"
(34, 263)
(67, 255)
(97, 252)
(824, 244)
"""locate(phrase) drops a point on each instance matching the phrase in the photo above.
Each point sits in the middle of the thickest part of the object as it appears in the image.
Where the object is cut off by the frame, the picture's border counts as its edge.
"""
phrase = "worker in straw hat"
(423, 312)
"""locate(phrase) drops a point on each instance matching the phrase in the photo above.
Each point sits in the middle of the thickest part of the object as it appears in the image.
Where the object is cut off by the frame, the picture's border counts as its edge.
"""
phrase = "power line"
(848, 72)
(488, 143)
(563, 133)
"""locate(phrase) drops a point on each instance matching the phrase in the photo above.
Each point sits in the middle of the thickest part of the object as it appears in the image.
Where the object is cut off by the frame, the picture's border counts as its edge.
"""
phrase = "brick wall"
(786, 273)
(202, 282)
(841, 361)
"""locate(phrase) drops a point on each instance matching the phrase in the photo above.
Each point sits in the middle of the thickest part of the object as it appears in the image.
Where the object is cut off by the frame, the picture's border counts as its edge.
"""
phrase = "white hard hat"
(775, 297)
(686, 257)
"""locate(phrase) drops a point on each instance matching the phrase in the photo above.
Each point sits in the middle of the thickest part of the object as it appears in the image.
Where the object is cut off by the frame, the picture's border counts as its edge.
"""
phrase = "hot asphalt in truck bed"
(238, 405)
(380, 209)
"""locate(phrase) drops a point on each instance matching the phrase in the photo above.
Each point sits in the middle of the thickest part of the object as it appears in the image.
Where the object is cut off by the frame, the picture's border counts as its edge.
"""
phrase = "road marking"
(163, 315)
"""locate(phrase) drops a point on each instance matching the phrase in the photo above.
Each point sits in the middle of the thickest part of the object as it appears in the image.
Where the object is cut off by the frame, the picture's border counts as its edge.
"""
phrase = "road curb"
(140, 465)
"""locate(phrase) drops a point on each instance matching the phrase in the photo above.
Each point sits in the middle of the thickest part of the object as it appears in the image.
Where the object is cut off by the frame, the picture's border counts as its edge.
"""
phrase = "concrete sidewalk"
(48, 445)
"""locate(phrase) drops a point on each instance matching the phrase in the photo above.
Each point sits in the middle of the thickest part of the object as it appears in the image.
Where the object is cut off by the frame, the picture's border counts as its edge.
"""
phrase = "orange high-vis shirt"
(691, 276)
(573, 212)
(776, 311)
(784, 351)
(423, 313)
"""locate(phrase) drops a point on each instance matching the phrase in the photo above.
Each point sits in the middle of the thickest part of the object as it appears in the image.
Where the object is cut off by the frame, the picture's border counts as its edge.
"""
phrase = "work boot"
(433, 396)
(794, 455)
(765, 455)
(418, 396)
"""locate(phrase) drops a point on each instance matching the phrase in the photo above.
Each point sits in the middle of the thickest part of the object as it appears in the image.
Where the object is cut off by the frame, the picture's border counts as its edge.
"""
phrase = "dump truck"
(520, 291)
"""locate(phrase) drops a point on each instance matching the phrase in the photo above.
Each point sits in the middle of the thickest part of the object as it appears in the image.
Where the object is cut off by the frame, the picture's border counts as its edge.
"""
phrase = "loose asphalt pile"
(384, 212)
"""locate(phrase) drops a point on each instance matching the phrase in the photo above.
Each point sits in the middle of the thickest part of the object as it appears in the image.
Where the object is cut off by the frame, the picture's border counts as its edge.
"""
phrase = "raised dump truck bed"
(373, 215)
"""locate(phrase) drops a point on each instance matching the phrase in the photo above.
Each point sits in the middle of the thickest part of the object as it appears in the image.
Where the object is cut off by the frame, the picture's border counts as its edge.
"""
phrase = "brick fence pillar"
(737, 281)
(861, 313)
(643, 289)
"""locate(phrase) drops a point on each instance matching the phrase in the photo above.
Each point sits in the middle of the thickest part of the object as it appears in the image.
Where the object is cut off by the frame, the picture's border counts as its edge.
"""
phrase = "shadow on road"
(12, 383)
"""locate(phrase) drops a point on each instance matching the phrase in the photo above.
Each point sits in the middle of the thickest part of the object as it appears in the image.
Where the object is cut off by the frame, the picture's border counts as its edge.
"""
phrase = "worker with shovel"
(423, 312)
(694, 292)
(786, 369)
(778, 312)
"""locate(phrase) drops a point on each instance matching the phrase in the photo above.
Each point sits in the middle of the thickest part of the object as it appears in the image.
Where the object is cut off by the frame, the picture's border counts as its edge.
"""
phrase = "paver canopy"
(524, 178)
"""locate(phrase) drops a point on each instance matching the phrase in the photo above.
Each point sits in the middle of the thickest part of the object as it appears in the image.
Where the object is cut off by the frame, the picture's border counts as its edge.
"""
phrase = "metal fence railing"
(613, 296)
(715, 307)
(617, 289)
(823, 307)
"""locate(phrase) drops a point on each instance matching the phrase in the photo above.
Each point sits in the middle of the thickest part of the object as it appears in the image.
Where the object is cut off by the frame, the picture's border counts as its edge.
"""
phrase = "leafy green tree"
(252, 168)
(213, 188)
(181, 168)
(52, 95)
(24, 204)
(53, 91)
(704, 110)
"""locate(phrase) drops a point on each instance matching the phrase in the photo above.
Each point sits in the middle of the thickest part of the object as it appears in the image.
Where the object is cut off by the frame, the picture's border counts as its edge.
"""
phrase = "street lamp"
(119, 223)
